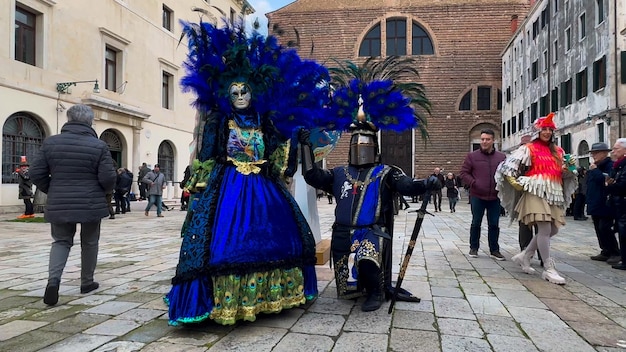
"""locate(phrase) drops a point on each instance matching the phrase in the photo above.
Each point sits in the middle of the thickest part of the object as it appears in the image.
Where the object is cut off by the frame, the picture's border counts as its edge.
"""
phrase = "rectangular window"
(508, 128)
(601, 132)
(499, 100)
(543, 105)
(508, 94)
(533, 112)
(599, 74)
(554, 99)
(566, 143)
(513, 124)
(535, 29)
(520, 121)
(396, 37)
(545, 61)
(555, 52)
(555, 6)
(568, 39)
(166, 90)
(110, 68)
(534, 69)
(545, 18)
(25, 36)
(168, 14)
(599, 11)
(581, 84)
(582, 30)
(566, 93)
(484, 98)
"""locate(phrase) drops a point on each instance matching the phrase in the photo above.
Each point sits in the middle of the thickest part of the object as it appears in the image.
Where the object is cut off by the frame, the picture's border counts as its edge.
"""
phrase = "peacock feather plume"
(386, 90)
(290, 91)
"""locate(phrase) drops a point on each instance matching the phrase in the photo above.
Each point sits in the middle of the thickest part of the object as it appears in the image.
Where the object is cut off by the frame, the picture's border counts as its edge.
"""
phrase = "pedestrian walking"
(477, 173)
(155, 181)
(76, 171)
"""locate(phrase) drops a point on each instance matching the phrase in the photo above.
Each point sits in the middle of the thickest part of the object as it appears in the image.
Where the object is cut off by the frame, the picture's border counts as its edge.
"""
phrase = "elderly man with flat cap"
(597, 207)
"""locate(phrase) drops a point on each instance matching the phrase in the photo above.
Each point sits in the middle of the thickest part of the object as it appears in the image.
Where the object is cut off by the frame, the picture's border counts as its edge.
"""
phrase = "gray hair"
(621, 142)
(80, 113)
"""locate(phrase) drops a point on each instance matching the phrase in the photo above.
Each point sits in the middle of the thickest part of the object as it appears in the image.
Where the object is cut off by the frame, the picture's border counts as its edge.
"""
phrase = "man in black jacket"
(76, 170)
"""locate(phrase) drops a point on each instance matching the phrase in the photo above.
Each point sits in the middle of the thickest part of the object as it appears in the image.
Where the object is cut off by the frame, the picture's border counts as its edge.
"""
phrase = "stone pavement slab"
(468, 304)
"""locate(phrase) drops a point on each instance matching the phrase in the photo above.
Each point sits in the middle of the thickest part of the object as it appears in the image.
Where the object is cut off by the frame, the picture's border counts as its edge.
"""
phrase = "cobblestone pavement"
(468, 304)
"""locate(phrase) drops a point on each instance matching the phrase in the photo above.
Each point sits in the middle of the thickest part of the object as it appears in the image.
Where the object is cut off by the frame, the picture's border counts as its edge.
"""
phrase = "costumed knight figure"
(246, 247)
(364, 189)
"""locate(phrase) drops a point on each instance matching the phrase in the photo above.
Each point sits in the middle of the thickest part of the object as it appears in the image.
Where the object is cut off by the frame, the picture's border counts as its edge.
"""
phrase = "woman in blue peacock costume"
(246, 247)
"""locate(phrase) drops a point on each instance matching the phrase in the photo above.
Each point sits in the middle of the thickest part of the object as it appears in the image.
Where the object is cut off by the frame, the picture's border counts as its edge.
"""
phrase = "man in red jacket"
(478, 172)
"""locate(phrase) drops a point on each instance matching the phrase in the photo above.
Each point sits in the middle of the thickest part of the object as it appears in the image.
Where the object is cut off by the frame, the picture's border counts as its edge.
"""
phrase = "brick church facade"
(458, 46)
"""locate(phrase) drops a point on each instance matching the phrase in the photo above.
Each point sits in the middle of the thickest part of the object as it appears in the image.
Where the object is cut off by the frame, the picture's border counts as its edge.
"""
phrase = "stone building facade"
(458, 45)
(569, 57)
(56, 52)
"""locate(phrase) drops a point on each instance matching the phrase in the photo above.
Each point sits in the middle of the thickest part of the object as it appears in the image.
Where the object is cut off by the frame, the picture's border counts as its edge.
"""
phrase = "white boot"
(550, 272)
(523, 259)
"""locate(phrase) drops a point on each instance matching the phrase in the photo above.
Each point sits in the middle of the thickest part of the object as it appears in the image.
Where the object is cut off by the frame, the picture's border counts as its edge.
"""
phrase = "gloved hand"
(513, 181)
(304, 136)
(433, 183)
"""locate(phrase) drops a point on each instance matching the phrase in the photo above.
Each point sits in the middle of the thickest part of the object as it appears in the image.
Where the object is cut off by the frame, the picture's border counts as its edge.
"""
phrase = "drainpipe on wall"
(617, 81)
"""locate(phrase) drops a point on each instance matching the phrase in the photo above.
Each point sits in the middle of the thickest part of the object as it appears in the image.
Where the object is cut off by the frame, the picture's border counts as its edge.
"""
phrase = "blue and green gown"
(247, 248)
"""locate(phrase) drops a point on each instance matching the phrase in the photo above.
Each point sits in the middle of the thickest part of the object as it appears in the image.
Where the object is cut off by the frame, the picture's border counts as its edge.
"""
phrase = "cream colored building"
(568, 57)
(57, 50)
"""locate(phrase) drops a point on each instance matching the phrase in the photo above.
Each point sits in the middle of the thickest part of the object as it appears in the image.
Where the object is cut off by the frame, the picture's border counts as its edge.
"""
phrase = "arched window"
(22, 134)
(466, 102)
(422, 45)
(370, 46)
(113, 140)
(396, 37)
(166, 160)
(583, 154)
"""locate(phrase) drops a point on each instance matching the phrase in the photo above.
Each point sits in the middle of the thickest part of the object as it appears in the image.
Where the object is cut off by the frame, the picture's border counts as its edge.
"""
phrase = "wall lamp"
(62, 87)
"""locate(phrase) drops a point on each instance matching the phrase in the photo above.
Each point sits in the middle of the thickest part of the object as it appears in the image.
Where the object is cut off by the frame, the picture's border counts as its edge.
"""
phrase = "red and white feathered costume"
(547, 185)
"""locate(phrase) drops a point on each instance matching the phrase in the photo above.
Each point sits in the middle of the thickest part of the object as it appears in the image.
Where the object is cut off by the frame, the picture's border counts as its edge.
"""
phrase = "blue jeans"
(493, 219)
(157, 200)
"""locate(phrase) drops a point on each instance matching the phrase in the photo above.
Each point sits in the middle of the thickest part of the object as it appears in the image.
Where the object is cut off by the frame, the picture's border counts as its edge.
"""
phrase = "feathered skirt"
(247, 249)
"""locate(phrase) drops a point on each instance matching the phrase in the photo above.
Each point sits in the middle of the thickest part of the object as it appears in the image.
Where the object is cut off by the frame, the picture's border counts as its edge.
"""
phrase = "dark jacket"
(596, 190)
(617, 190)
(452, 190)
(76, 170)
(124, 182)
(478, 172)
(25, 185)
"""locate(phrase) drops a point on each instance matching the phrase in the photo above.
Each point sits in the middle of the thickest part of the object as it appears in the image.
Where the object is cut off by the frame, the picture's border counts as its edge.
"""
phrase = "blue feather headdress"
(290, 91)
(373, 96)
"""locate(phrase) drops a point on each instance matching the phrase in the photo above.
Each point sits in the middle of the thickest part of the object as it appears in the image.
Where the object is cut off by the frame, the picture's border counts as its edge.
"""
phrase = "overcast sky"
(264, 6)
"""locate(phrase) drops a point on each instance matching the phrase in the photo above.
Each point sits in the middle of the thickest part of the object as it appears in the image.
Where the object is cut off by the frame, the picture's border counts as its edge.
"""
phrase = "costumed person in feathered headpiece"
(544, 175)
(367, 99)
(246, 247)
